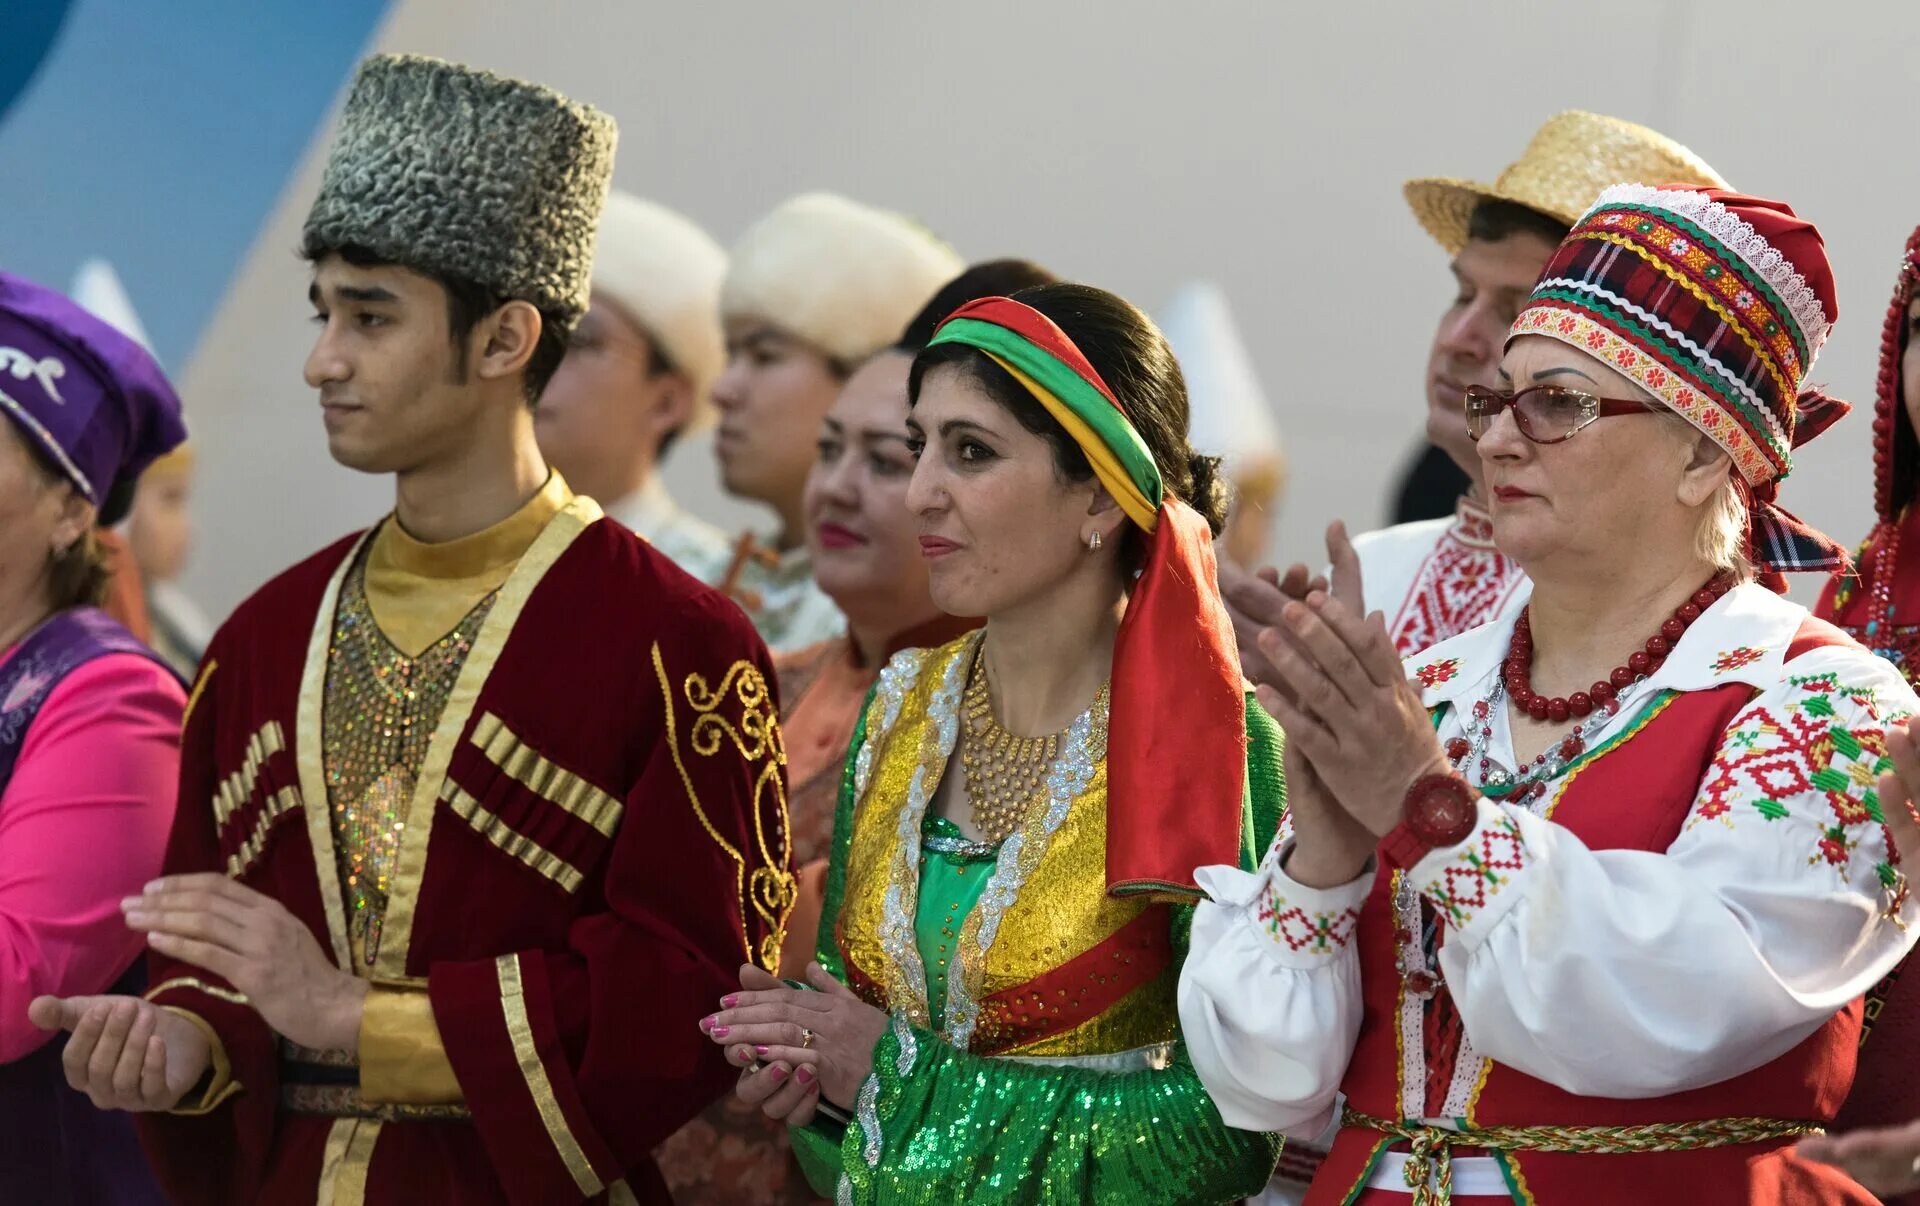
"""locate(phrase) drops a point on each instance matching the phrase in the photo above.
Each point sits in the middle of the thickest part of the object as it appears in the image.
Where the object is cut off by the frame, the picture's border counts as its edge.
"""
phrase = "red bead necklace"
(1518, 669)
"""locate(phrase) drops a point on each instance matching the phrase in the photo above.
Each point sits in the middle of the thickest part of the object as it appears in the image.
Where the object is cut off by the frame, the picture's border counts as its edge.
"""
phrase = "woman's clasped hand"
(796, 1045)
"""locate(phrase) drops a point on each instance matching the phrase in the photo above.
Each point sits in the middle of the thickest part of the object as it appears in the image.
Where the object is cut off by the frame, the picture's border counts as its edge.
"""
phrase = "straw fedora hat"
(1570, 160)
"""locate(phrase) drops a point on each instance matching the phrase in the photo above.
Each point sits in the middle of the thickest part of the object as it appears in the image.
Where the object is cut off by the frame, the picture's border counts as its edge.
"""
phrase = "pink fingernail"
(707, 1023)
(804, 1076)
(777, 1074)
(729, 1000)
(759, 1050)
(720, 1031)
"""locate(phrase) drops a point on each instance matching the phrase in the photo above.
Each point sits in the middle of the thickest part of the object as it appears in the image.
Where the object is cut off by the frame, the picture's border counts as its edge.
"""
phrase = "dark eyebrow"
(1555, 372)
(952, 425)
(1504, 374)
(351, 293)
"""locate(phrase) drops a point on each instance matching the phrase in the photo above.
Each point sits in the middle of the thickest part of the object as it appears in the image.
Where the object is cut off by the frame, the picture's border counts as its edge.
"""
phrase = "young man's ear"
(672, 404)
(504, 340)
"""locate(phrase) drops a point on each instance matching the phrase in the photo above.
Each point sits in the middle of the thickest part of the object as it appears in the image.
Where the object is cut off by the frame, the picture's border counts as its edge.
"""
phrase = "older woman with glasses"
(1580, 906)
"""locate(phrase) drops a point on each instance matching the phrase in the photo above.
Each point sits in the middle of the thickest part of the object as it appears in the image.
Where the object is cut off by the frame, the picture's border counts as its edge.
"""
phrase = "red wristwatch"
(1439, 812)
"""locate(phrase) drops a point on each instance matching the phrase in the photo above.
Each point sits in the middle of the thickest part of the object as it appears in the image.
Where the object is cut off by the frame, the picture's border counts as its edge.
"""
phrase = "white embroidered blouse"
(1438, 578)
(1779, 902)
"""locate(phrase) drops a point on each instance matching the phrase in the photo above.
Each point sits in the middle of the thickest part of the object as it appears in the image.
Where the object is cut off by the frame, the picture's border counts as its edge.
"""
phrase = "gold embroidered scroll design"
(769, 889)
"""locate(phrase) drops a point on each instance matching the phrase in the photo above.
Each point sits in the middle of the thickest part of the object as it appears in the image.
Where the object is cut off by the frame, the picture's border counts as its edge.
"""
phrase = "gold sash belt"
(1429, 1169)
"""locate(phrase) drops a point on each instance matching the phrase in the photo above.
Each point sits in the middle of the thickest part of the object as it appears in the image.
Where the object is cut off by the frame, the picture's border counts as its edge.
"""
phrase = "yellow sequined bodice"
(1046, 904)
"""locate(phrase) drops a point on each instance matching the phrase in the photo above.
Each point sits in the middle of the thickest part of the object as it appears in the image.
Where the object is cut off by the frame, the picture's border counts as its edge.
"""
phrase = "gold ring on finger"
(806, 1039)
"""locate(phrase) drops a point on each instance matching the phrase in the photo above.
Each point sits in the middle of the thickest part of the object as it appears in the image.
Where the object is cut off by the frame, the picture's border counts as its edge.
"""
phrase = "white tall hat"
(665, 272)
(845, 277)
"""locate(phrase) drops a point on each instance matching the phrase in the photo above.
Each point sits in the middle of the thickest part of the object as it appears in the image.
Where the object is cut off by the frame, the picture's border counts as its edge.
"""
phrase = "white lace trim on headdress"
(1744, 241)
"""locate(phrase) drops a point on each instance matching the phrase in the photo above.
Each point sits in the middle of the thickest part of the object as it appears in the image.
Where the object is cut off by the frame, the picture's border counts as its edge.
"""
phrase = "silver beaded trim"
(897, 678)
(907, 975)
(909, 1045)
(867, 1107)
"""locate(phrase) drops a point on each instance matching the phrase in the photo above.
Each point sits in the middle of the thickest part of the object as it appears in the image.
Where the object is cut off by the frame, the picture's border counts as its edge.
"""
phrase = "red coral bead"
(1621, 676)
(1673, 630)
(1640, 662)
(1537, 708)
(1571, 748)
(1658, 646)
(1601, 692)
(1557, 710)
(1458, 748)
(1703, 599)
(1689, 612)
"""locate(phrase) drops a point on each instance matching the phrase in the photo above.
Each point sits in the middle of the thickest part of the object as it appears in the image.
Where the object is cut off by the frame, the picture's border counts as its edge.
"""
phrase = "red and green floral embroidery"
(1317, 933)
(1737, 658)
(1779, 761)
(1490, 860)
(1434, 673)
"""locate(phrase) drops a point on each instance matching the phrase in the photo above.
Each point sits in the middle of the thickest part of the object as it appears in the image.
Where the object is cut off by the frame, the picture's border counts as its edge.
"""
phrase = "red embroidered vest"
(1633, 796)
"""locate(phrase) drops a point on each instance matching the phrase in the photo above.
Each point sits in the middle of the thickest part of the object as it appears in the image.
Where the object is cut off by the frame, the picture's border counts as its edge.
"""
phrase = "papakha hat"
(456, 171)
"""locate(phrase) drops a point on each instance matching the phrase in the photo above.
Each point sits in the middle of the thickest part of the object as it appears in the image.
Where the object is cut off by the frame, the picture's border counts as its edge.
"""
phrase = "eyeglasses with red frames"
(1545, 414)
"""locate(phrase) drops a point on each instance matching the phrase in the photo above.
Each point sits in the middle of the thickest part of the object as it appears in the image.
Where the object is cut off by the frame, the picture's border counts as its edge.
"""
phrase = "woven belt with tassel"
(1429, 1169)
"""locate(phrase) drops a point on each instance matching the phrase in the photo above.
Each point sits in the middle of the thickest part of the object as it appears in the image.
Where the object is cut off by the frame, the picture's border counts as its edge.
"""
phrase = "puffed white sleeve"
(1270, 994)
(1620, 973)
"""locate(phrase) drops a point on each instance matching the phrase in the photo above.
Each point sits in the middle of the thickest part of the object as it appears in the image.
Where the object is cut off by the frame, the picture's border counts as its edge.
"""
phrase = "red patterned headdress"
(1716, 304)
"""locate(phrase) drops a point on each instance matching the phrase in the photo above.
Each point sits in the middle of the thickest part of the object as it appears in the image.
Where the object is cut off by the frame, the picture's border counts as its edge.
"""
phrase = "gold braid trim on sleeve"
(199, 687)
(769, 889)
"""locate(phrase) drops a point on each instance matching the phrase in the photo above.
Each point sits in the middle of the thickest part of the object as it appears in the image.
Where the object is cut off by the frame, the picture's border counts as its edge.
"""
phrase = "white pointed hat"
(1230, 415)
(98, 289)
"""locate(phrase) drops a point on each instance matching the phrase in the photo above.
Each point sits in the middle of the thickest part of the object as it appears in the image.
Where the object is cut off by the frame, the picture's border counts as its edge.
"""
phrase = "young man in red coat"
(480, 809)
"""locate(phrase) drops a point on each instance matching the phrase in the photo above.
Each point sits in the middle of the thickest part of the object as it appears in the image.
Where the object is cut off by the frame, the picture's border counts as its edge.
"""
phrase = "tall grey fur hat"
(450, 169)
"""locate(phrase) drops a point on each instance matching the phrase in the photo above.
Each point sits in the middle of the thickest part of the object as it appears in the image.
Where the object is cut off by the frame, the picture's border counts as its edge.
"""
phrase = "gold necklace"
(1005, 773)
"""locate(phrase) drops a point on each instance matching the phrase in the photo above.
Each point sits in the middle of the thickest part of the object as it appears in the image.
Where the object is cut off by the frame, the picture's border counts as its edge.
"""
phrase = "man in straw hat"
(1441, 577)
(1437, 578)
(480, 805)
(639, 374)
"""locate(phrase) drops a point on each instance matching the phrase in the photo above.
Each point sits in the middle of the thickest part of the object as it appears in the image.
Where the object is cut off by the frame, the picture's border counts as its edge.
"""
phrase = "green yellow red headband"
(1176, 737)
(1038, 355)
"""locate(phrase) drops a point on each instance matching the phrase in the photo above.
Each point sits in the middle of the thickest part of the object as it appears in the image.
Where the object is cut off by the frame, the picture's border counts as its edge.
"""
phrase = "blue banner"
(157, 137)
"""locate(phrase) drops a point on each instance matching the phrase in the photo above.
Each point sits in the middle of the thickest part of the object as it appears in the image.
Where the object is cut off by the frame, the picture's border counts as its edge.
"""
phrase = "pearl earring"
(1093, 542)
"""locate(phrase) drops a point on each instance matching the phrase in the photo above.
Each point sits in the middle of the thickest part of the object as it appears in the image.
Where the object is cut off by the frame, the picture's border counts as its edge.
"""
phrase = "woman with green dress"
(992, 1011)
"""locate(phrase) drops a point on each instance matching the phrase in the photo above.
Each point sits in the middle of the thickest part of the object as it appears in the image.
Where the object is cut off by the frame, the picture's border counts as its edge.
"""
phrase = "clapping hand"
(1344, 701)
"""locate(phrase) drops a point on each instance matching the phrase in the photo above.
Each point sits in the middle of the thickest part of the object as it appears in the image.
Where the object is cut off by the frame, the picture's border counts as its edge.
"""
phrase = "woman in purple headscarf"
(89, 729)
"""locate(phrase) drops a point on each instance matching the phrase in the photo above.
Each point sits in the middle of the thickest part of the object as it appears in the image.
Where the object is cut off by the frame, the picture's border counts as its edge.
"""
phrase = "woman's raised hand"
(1346, 703)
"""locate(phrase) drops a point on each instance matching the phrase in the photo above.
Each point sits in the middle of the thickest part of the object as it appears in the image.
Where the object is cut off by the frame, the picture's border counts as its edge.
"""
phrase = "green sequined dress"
(1079, 1116)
